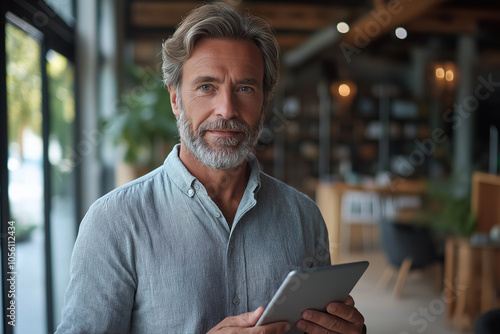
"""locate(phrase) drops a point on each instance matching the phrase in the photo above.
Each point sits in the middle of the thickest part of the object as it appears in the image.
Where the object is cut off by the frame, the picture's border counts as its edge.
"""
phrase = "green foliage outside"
(24, 102)
(24, 85)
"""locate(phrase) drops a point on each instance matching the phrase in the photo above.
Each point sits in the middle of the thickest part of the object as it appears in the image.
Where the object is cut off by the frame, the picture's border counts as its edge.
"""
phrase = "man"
(203, 242)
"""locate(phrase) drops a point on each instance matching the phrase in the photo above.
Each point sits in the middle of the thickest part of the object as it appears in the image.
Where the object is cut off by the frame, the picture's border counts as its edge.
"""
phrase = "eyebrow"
(250, 81)
(202, 79)
(206, 78)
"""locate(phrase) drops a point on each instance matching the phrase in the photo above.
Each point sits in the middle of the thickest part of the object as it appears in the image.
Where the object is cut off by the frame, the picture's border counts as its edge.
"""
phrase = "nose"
(226, 106)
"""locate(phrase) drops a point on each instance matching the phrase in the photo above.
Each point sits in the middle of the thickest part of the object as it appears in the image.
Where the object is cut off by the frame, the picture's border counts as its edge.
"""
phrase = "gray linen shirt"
(157, 255)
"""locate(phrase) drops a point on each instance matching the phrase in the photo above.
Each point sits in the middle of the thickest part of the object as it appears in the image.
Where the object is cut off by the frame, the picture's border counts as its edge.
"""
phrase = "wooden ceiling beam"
(280, 16)
(159, 14)
(477, 14)
(434, 25)
(298, 17)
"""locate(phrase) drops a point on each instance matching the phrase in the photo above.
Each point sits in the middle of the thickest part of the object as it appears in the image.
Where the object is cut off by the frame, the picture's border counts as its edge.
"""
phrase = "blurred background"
(386, 114)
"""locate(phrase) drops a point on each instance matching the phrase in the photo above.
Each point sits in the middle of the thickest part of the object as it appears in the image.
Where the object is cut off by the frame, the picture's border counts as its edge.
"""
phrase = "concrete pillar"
(420, 57)
(463, 133)
(87, 148)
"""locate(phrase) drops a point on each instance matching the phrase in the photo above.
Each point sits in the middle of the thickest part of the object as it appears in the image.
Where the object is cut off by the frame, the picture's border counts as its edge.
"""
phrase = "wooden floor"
(419, 309)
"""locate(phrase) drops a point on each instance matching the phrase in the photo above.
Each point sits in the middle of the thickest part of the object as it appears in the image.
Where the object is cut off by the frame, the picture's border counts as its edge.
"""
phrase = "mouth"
(224, 133)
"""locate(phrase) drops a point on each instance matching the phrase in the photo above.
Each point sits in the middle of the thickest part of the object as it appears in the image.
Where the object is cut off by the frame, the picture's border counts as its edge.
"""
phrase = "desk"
(472, 281)
(329, 201)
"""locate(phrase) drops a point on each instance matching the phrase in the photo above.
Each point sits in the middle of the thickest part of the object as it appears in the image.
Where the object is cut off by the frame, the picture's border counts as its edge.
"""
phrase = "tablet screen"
(312, 288)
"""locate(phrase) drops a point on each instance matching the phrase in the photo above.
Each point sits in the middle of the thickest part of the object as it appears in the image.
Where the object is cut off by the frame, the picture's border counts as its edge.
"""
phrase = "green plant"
(448, 206)
(144, 119)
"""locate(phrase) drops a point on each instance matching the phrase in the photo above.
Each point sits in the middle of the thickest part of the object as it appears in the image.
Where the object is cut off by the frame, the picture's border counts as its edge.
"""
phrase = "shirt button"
(217, 215)
(190, 192)
(236, 300)
(197, 186)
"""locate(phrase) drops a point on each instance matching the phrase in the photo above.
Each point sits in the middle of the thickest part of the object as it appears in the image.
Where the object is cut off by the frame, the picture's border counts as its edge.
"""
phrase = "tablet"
(312, 288)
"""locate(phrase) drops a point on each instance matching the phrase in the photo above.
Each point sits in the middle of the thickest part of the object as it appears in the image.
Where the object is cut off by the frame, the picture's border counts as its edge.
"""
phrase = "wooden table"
(329, 201)
(472, 281)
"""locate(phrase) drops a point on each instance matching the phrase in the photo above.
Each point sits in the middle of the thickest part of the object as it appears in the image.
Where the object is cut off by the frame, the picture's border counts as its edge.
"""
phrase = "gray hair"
(218, 20)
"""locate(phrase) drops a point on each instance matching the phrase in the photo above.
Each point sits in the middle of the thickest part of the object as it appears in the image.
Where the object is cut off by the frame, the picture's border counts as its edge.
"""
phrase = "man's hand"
(338, 318)
(244, 323)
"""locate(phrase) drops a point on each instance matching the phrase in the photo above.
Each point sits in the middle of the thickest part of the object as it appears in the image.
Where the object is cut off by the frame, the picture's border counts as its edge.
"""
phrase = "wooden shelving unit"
(355, 139)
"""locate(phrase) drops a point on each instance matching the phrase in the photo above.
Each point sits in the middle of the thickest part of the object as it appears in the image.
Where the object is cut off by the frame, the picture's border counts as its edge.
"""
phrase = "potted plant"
(143, 127)
(448, 207)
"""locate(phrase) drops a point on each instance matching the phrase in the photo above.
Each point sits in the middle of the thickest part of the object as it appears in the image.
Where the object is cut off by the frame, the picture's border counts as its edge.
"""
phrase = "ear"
(173, 100)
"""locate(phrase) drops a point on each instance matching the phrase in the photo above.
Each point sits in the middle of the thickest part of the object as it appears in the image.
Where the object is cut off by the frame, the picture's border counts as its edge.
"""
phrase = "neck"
(224, 186)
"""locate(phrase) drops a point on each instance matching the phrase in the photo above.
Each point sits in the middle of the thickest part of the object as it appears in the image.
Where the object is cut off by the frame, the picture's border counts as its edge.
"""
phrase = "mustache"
(223, 124)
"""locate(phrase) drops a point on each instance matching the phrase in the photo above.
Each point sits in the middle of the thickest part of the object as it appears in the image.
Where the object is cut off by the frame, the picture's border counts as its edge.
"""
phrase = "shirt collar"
(254, 179)
(179, 174)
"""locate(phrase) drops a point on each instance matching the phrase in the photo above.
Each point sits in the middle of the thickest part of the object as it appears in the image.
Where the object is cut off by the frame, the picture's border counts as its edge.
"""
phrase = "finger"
(316, 322)
(245, 323)
(349, 301)
(314, 328)
(243, 320)
(274, 328)
(345, 312)
(249, 319)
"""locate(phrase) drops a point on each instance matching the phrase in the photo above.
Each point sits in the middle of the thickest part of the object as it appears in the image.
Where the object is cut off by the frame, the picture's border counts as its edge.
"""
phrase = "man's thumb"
(251, 318)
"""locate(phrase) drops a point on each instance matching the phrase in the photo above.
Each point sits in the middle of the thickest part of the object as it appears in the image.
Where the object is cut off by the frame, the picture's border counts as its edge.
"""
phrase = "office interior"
(387, 115)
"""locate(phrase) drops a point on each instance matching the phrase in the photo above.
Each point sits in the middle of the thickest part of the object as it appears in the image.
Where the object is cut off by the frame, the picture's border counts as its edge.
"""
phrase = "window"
(37, 170)
(25, 173)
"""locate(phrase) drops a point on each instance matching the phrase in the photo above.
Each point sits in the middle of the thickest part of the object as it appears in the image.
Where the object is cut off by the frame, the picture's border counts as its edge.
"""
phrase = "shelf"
(355, 140)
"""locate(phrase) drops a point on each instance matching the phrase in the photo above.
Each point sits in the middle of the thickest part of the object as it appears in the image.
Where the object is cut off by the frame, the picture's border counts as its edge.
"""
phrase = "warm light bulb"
(344, 90)
(342, 27)
(449, 75)
(439, 73)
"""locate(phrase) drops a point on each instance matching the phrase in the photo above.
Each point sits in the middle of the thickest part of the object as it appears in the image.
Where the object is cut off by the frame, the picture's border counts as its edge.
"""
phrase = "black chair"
(407, 246)
(488, 322)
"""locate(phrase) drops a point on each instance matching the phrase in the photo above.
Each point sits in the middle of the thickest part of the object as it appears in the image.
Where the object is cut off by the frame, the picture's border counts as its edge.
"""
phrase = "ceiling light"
(440, 73)
(401, 33)
(342, 27)
(449, 75)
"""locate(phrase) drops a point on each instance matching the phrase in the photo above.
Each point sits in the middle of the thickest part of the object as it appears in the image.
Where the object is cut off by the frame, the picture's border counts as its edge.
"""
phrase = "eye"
(246, 89)
(205, 88)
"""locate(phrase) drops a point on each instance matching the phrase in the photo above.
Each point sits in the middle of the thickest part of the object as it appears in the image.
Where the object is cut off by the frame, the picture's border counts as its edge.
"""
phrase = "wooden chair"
(361, 208)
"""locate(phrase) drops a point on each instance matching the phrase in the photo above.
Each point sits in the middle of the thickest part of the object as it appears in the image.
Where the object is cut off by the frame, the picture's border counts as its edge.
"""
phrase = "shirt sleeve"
(100, 294)
(322, 251)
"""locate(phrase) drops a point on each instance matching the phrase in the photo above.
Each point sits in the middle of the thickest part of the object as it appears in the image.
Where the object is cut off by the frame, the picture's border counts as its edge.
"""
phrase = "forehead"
(225, 56)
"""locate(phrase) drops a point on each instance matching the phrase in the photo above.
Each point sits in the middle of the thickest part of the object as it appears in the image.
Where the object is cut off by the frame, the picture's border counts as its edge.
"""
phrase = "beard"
(223, 153)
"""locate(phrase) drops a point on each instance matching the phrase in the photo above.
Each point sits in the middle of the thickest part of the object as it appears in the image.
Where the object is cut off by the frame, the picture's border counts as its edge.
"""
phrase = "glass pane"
(25, 164)
(64, 8)
(60, 74)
